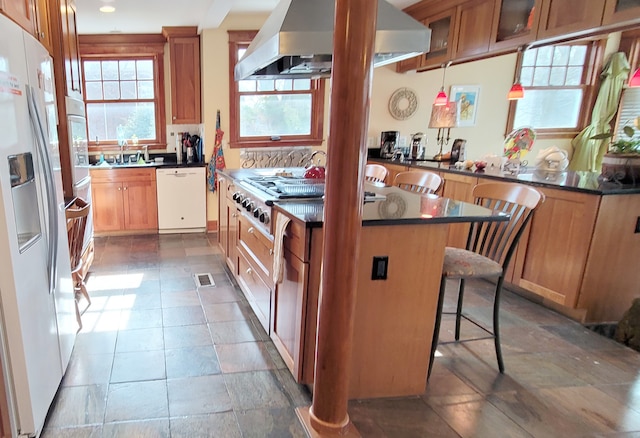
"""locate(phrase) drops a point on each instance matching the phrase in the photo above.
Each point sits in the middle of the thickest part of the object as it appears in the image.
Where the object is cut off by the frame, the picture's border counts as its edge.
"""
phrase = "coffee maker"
(388, 143)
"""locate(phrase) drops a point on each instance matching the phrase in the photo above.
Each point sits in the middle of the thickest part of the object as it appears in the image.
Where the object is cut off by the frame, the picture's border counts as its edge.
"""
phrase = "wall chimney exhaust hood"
(296, 41)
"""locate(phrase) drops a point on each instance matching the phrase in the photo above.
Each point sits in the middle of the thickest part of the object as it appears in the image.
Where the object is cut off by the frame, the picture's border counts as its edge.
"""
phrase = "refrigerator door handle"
(41, 143)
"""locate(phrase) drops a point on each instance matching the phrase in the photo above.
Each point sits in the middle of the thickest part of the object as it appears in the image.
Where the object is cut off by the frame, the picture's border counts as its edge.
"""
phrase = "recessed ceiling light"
(107, 8)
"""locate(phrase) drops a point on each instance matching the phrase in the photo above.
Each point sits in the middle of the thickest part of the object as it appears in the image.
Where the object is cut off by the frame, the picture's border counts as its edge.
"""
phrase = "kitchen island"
(578, 254)
(400, 263)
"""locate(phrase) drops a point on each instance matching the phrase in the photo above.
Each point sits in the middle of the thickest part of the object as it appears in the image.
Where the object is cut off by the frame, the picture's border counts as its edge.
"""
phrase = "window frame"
(590, 85)
(238, 40)
(129, 47)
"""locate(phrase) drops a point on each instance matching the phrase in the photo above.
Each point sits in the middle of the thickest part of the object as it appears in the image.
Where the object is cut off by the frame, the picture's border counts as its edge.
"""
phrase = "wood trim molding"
(179, 31)
(132, 44)
(212, 226)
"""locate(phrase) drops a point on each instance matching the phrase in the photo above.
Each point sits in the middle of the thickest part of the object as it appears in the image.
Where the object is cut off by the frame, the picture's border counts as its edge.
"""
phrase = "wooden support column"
(353, 48)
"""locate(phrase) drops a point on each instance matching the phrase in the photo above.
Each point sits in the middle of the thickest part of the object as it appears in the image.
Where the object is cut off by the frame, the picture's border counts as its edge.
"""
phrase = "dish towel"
(217, 158)
(278, 250)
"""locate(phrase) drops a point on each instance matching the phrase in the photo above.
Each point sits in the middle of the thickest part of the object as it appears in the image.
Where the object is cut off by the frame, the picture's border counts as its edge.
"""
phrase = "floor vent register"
(204, 280)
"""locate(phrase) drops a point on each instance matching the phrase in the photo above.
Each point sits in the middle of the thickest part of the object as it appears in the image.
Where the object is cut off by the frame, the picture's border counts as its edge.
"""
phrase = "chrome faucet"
(123, 146)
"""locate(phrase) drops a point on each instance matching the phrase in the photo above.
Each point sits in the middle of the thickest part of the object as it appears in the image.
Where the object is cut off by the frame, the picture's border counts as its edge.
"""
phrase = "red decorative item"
(315, 172)
(217, 159)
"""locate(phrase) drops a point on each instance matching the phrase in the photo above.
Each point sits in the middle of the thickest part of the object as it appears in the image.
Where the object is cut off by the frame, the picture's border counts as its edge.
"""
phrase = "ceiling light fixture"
(441, 98)
(517, 90)
(107, 9)
(635, 79)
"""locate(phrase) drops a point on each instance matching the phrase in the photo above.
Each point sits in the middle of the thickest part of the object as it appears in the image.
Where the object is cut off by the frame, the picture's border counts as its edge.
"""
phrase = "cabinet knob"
(270, 251)
(249, 271)
(119, 188)
(251, 230)
(234, 215)
(125, 188)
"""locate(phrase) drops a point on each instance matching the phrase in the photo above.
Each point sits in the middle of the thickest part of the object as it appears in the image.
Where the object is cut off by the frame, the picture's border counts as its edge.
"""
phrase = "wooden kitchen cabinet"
(22, 12)
(564, 17)
(228, 223)
(393, 169)
(620, 11)
(68, 49)
(553, 262)
(515, 23)
(184, 55)
(255, 264)
(473, 28)
(124, 200)
(460, 188)
(288, 315)
(43, 25)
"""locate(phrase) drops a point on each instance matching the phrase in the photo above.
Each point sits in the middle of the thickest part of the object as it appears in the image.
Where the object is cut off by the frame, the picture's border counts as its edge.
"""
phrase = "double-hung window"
(123, 95)
(559, 82)
(272, 112)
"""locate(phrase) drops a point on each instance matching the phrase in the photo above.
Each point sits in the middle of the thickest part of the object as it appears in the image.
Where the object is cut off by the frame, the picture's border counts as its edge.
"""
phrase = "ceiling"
(148, 16)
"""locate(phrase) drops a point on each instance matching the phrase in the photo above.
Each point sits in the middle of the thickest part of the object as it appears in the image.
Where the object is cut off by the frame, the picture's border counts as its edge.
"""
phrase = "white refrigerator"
(37, 312)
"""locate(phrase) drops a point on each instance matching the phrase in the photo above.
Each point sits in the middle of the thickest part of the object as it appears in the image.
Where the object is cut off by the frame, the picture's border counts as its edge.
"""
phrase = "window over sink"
(123, 88)
(272, 112)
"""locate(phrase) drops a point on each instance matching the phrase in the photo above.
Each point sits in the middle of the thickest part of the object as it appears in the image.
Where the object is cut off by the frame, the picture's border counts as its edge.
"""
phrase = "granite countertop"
(589, 182)
(395, 207)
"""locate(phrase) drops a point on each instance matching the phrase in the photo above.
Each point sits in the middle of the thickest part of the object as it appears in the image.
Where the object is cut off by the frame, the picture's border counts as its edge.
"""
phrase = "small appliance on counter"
(417, 146)
(388, 143)
(458, 150)
(189, 149)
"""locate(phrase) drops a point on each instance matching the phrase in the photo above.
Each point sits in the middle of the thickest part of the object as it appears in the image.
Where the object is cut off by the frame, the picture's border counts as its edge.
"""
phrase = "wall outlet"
(380, 267)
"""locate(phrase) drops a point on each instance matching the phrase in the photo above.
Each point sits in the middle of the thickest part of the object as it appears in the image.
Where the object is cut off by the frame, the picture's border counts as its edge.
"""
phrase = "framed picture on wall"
(466, 97)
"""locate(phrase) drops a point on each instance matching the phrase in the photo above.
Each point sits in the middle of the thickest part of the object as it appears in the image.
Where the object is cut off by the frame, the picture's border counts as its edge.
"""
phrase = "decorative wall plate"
(403, 103)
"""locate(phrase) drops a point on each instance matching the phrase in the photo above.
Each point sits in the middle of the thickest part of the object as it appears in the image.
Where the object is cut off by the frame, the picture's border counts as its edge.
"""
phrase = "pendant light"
(517, 90)
(635, 79)
(441, 98)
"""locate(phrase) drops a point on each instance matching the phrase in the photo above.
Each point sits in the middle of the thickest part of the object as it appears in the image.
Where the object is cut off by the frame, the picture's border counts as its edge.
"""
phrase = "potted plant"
(622, 161)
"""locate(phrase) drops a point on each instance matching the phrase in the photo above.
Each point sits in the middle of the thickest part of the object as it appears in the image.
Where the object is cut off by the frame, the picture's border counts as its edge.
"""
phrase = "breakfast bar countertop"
(386, 205)
(578, 181)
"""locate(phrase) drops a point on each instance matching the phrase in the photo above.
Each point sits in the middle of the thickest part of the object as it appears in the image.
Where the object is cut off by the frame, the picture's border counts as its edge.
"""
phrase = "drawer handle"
(234, 215)
(251, 230)
(270, 251)
(119, 188)
(249, 271)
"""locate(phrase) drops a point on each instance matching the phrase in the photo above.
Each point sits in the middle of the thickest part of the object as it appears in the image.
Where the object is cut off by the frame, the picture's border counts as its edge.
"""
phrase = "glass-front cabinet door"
(441, 26)
(515, 23)
(617, 11)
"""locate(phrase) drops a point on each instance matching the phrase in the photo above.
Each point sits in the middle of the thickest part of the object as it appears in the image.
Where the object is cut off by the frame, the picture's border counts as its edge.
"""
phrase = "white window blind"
(628, 112)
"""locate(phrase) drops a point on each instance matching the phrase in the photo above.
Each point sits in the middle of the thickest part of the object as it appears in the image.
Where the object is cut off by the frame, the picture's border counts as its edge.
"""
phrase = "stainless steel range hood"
(296, 41)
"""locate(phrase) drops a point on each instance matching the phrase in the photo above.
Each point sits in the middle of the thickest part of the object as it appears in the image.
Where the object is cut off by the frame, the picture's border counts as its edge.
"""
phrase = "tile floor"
(159, 358)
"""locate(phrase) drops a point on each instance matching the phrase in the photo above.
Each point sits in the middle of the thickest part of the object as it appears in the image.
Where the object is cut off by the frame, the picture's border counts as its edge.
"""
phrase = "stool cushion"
(461, 263)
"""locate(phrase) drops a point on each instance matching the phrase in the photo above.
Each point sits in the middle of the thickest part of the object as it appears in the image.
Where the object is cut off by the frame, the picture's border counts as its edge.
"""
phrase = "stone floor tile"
(198, 395)
(138, 366)
(223, 424)
(192, 362)
(270, 423)
(137, 401)
(138, 429)
(246, 356)
(256, 390)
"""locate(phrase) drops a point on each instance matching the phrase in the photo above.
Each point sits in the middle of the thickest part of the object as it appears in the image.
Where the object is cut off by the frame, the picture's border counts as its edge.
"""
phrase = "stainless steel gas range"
(256, 191)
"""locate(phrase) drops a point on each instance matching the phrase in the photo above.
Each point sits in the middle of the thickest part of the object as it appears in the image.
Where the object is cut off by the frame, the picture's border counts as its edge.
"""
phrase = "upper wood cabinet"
(563, 17)
(515, 23)
(20, 11)
(184, 55)
(473, 28)
(66, 52)
(43, 27)
(619, 11)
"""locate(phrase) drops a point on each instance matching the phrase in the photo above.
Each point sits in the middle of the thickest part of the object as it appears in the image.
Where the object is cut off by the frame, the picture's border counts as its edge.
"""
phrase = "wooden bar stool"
(375, 173)
(77, 214)
(490, 246)
(419, 181)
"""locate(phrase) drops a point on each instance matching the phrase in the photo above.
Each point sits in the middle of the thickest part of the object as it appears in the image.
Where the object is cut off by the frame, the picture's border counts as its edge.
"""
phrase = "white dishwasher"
(182, 200)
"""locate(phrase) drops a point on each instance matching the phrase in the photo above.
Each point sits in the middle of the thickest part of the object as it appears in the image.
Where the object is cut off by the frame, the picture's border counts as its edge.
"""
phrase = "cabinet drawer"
(258, 294)
(257, 245)
(123, 175)
(295, 240)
